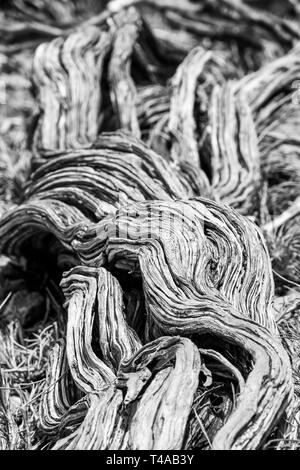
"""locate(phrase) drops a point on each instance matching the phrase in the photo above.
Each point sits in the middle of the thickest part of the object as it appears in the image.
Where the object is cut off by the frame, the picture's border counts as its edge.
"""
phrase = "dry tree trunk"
(165, 140)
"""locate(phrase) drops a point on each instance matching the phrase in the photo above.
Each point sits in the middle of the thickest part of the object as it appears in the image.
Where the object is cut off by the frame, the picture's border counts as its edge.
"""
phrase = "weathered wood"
(167, 134)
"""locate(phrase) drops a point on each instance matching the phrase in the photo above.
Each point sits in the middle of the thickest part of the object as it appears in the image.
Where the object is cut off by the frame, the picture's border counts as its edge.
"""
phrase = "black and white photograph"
(149, 228)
